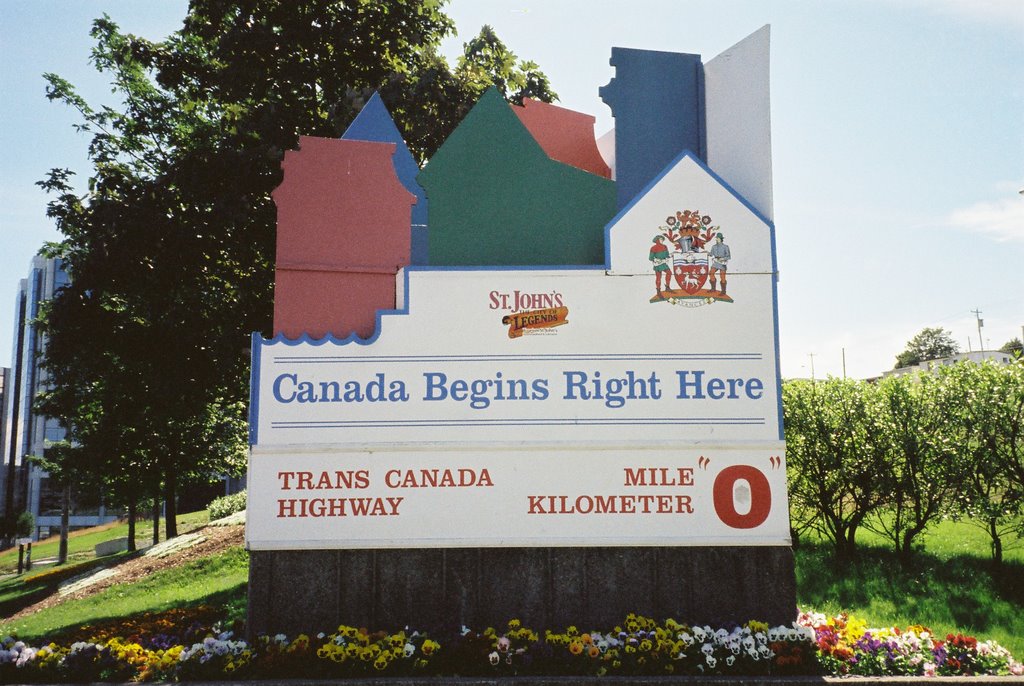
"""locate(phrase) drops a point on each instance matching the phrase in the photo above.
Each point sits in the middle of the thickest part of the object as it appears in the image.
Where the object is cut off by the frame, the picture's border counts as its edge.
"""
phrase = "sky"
(897, 137)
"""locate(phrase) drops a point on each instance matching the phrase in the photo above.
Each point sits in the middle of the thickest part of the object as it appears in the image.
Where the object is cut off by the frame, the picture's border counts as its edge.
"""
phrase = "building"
(26, 432)
(978, 356)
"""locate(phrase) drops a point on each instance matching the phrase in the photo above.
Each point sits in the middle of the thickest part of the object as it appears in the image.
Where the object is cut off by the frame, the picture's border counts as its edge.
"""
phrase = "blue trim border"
(254, 384)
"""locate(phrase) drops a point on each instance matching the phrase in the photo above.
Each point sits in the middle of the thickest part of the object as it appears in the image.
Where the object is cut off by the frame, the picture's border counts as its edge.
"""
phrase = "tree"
(170, 252)
(832, 458)
(990, 416)
(929, 344)
(1014, 347)
(920, 446)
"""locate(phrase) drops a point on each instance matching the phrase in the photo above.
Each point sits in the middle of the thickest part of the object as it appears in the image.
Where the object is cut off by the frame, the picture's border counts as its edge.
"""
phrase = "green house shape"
(497, 199)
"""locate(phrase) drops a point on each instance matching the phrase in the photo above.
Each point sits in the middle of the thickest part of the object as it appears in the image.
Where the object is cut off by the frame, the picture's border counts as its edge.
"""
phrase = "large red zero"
(760, 496)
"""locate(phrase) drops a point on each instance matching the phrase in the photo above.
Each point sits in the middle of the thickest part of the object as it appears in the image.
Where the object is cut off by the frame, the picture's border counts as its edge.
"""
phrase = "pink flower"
(504, 644)
(929, 669)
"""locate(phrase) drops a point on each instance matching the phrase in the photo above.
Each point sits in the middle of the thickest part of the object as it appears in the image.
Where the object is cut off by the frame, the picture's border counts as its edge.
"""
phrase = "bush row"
(897, 455)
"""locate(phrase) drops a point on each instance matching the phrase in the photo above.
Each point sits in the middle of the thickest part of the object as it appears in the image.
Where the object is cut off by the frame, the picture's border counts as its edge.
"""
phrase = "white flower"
(494, 658)
(409, 650)
(686, 638)
(26, 656)
(711, 661)
(730, 660)
(707, 649)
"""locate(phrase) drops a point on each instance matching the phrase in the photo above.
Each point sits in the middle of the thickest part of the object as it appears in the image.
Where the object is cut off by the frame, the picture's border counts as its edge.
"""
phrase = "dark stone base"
(443, 589)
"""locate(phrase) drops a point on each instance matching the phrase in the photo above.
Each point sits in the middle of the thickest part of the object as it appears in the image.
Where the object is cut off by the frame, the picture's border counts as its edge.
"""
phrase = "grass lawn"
(219, 580)
(82, 542)
(950, 585)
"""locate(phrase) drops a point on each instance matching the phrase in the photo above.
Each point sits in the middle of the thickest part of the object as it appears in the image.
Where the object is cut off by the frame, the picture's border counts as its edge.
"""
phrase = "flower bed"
(175, 646)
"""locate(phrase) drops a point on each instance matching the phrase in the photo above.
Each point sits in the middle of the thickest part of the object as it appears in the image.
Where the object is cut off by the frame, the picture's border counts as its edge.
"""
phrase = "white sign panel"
(622, 496)
(470, 362)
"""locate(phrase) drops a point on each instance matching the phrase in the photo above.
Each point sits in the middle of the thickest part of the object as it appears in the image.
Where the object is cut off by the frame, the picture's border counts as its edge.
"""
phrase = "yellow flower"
(593, 651)
(514, 624)
(380, 663)
(576, 647)
(429, 647)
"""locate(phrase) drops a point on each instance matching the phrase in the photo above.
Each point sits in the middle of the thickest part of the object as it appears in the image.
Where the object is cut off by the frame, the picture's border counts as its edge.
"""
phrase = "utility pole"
(812, 366)
(844, 363)
(981, 323)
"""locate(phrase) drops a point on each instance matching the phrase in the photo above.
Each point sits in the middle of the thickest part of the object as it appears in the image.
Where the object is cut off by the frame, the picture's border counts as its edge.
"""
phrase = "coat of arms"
(690, 259)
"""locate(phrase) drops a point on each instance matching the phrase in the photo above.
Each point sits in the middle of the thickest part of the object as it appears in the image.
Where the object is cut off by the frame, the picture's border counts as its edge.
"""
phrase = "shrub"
(227, 505)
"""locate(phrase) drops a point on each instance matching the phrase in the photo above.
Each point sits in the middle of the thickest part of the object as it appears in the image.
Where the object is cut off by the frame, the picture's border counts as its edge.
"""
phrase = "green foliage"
(227, 505)
(899, 455)
(832, 458)
(931, 343)
(25, 525)
(989, 421)
(920, 469)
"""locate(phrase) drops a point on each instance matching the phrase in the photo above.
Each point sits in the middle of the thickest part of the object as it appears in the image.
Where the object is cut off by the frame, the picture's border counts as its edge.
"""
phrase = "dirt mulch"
(217, 539)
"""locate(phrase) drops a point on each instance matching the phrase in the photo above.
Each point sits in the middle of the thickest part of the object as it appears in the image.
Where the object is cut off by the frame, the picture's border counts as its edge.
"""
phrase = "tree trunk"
(133, 507)
(170, 502)
(65, 521)
(997, 542)
(156, 518)
(846, 544)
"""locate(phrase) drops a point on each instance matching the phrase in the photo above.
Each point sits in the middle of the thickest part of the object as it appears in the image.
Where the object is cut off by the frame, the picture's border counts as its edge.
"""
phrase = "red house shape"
(565, 135)
(343, 232)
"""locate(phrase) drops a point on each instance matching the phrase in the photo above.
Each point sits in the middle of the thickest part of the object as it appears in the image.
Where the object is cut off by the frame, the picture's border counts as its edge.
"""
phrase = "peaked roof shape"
(565, 135)
(687, 183)
(374, 123)
(497, 199)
